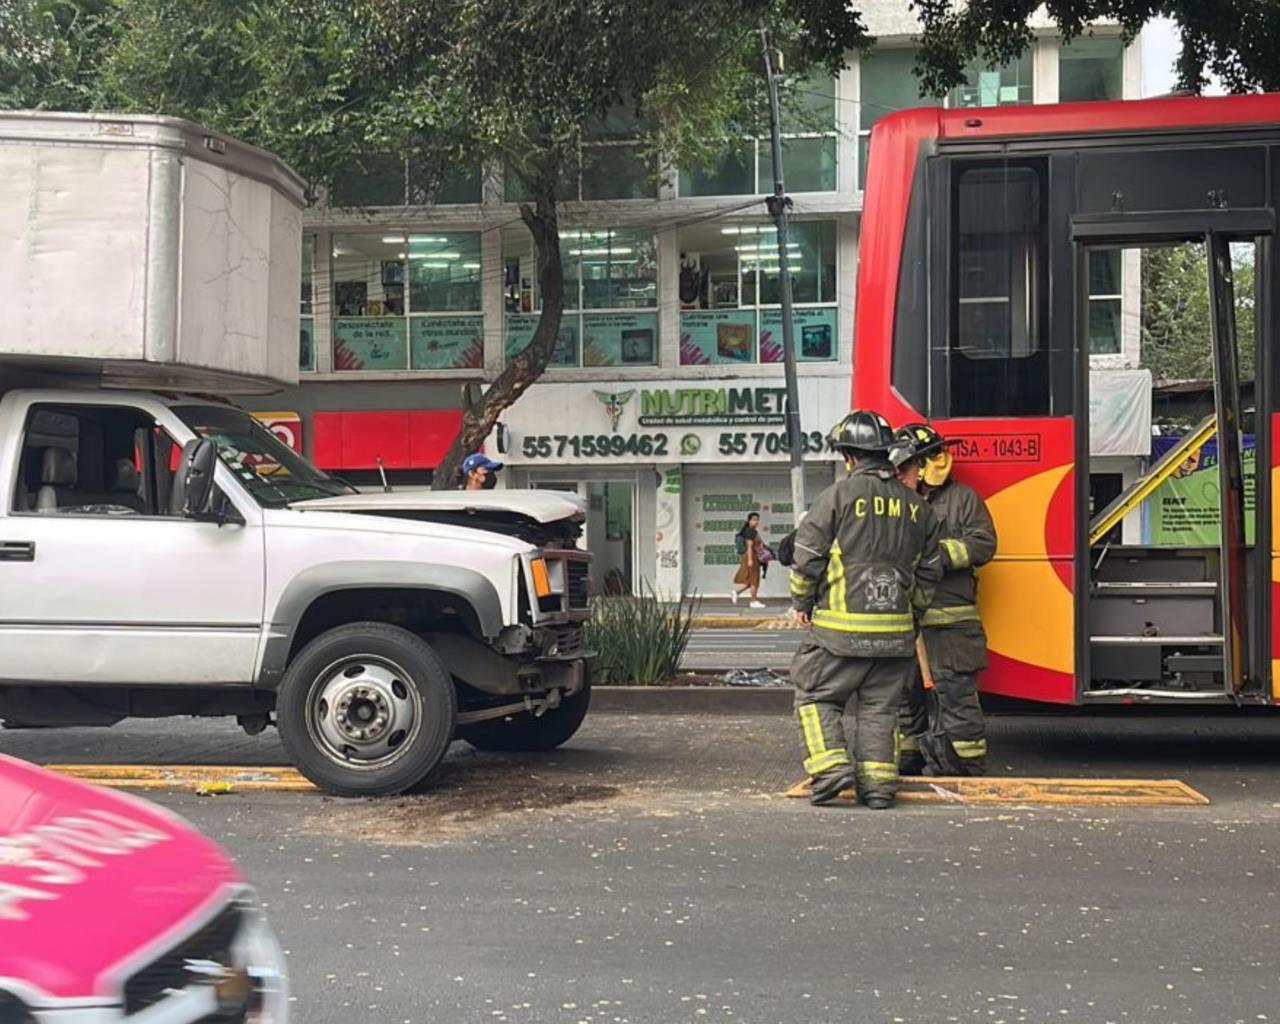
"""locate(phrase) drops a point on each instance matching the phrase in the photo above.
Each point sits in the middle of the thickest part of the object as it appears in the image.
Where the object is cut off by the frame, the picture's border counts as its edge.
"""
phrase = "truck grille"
(578, 573)
(168, 973)
(568, 639)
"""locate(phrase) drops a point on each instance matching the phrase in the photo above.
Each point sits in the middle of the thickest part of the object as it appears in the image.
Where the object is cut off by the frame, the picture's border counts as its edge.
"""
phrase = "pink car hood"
(93, 884)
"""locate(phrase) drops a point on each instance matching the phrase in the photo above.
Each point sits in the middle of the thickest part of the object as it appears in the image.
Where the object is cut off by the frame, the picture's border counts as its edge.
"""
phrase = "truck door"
(101, 578)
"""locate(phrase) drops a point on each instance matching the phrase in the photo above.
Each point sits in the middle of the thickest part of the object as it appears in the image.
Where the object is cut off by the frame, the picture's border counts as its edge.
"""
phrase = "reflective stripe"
(909, 745)
(825, 762)
(863, 622)
(957, 551)
(970, 748)
(835, 578)
(812, 729)
(878, 771)
(802, 586)
(947, 616)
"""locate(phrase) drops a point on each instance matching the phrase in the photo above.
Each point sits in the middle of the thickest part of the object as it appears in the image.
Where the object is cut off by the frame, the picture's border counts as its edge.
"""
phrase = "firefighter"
(954, 641)
(865, 564)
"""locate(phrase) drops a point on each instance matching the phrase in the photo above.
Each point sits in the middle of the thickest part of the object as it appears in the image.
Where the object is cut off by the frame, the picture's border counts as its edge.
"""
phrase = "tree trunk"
(527, 365)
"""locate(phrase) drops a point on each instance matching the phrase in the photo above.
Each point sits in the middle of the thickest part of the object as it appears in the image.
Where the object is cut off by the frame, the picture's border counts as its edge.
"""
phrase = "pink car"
(113, 909)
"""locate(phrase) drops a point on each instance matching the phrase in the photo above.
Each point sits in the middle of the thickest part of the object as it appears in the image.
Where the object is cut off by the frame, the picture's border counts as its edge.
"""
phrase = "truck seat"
(57, 479)
(125, 488)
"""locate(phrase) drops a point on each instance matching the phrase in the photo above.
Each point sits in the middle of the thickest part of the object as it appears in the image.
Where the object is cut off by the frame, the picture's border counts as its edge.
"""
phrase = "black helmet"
(922, 438)
(862, 431)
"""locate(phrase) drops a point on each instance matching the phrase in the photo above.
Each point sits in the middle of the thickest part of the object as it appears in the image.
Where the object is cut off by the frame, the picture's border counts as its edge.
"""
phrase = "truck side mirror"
(198, 460)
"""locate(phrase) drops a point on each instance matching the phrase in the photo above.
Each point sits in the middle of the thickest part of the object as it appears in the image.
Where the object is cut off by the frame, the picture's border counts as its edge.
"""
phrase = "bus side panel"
(1024, 469)
(1275, 558)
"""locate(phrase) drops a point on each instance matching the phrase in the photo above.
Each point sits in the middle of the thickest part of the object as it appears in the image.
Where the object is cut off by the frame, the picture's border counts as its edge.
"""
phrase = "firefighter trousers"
(961, 727)
(870, 689)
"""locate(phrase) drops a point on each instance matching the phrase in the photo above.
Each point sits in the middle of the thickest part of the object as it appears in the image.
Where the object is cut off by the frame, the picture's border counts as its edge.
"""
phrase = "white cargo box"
(147, 252)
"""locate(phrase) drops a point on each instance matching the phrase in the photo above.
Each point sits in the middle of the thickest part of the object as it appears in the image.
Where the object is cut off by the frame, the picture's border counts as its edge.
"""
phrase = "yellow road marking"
(200, 777)
(1087, 792)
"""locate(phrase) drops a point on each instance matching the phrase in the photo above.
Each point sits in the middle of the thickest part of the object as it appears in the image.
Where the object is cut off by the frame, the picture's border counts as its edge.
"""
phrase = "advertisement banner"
(370, 343)
(717, 421)
(1184, 510)
(815, 334)
(519, 332)
(446, 342)
(717, 336)
(620, 339)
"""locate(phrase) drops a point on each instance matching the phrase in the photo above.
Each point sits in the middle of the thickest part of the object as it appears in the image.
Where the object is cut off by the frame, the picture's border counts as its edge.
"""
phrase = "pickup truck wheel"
(524, 732)
(366, 710)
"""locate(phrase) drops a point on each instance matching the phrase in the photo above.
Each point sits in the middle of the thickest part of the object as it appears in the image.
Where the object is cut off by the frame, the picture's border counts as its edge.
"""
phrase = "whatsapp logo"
(690, 444)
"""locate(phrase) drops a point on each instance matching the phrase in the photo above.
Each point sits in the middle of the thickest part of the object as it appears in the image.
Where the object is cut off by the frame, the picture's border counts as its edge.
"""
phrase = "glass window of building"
(377, 179)
(432, 324)
(809, 149)
(730, 293)
(994, 87)
(1105, 301)
(1091, 68)
(306, 322)
(609, 163)
(887, 83)
(611, 296)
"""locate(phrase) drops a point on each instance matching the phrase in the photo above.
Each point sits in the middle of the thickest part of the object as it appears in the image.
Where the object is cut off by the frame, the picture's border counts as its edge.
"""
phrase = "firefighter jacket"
(866, 562)
(953, 630)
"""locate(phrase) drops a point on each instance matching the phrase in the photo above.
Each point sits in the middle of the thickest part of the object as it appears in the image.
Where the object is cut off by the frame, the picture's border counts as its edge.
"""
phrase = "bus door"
(1169, 342)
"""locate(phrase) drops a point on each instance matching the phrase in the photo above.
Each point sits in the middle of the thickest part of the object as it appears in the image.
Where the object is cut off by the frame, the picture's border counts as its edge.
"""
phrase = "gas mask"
(937, 468)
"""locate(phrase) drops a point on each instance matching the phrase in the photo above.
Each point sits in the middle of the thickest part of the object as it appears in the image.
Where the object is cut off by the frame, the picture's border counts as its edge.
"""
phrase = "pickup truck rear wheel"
(366, 709)
(525, 732)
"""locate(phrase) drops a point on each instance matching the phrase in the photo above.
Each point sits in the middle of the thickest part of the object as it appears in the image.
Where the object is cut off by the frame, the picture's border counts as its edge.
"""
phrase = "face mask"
(936, 469)
(490, 481)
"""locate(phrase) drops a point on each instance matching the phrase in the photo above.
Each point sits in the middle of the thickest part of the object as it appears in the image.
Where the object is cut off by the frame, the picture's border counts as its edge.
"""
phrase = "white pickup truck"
(165, 554)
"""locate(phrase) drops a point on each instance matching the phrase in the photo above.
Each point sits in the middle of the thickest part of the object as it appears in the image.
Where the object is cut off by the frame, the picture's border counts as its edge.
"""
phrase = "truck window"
(998, 352)
(91, 460)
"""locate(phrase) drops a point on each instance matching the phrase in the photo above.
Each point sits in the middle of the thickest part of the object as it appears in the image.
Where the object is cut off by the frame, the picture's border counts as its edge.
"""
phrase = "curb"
(770, 622)
(690, 700)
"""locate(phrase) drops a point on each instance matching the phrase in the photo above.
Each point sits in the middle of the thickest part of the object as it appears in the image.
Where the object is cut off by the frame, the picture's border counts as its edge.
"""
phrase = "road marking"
(1087, 792)
(199, 777)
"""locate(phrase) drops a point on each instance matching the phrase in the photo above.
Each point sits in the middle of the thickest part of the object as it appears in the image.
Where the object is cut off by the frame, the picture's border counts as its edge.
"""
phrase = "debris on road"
(754, 677)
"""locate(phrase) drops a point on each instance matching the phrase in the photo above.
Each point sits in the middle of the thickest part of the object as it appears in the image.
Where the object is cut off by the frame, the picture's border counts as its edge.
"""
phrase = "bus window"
(998, 357)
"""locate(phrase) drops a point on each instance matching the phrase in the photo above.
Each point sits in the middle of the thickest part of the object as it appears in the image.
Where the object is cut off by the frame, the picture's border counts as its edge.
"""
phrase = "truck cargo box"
(146, 252)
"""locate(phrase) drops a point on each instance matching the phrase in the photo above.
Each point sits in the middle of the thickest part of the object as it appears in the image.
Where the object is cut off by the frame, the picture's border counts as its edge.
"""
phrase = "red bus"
(1133, 561)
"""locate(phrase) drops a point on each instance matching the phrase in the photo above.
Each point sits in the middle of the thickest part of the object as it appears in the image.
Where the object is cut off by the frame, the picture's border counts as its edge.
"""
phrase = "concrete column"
(1044, 74)
(491, 301)
(668, 298)
(322, 301)
(848, 91)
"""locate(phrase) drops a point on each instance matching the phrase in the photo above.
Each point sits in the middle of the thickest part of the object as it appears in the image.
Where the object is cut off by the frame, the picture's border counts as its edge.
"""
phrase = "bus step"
(1136, 587)
(1156, 641)
(1190, 663)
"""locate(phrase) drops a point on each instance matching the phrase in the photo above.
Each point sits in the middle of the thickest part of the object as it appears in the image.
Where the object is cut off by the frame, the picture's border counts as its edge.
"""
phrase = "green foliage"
(1233, 39)
(1176, 314)
(639, 640)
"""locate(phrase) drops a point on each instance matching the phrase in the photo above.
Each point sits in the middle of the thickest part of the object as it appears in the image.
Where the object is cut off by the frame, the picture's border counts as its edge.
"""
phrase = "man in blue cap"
(479, 472)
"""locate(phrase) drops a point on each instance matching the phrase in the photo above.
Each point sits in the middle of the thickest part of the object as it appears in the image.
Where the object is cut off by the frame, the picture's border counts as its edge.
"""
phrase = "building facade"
(664, 402)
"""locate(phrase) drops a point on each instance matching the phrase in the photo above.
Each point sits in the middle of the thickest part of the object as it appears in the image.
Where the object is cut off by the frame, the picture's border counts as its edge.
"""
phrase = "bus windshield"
(272, 472)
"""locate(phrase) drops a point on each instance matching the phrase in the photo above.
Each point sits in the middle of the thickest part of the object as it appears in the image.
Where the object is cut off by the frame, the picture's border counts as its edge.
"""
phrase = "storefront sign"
(739, 420)
(446, 342)
(620, 339)
(709, 337)
(287, 426)
(815, 335)
(1184, 510)
(370, 343)
(520, 332)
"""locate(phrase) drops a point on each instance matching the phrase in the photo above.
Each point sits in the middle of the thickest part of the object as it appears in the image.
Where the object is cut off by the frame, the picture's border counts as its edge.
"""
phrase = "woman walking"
(749, 546)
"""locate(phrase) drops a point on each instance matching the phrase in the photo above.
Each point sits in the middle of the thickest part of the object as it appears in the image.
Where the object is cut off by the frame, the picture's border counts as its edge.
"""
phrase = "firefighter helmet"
(916, 441)
(862, 431)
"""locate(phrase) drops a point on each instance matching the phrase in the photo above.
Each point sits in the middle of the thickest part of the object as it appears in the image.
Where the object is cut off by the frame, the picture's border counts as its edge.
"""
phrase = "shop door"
(611, 535)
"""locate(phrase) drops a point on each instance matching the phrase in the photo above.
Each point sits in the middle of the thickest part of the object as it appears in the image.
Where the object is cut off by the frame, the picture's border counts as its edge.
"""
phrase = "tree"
(1232, 39)
(447, 83)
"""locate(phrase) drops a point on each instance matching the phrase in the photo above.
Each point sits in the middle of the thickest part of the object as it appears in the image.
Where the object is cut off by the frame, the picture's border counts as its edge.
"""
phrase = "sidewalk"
(721, 613)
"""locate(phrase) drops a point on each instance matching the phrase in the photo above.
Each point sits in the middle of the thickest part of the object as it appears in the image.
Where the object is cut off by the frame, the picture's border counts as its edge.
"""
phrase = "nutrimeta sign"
(713, 421)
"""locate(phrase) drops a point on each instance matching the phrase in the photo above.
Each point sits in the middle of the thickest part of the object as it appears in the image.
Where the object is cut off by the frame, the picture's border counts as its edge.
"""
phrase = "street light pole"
(779, 206)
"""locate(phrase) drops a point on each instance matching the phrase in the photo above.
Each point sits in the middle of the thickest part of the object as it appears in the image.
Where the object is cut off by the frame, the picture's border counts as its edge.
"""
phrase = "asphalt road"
(719, 649)
(649, 872)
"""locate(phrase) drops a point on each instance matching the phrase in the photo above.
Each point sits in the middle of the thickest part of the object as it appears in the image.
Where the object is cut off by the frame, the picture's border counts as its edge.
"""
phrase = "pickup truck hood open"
(539, 517)
(93, 883)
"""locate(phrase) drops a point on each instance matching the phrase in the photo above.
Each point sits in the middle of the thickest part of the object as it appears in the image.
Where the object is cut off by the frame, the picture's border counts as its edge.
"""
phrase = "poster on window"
(1184, 510)
(717, 336)
(815, 334)
(620, 339)
(446, 342)
(370, 343)
(519, 330)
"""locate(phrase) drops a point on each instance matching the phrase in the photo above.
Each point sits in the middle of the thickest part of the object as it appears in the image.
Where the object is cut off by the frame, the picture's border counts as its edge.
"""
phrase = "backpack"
(787, 549)
(740, 543)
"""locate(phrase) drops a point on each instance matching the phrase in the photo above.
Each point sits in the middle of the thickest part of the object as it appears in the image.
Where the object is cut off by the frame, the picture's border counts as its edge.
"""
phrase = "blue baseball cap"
(479, 461)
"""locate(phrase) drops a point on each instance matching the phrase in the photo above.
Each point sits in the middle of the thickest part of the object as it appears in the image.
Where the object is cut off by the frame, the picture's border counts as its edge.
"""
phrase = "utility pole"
(779, 207)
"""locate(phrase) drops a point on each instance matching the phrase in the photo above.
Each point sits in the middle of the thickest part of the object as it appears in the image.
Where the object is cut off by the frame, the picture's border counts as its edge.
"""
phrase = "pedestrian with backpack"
(749, 546)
